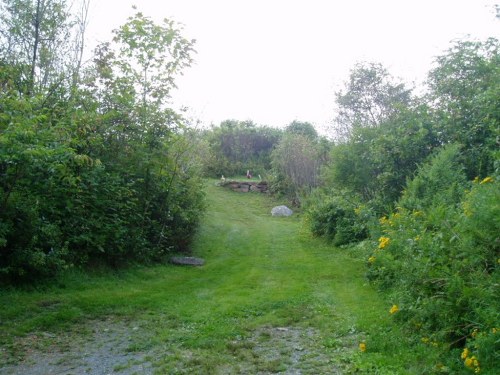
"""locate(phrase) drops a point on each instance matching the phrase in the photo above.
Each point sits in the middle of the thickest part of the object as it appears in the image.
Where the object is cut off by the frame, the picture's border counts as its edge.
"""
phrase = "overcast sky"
(275, 61)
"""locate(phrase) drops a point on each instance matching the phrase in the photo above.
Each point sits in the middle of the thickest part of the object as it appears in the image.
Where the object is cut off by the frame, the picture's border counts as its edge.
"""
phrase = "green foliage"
(370, 97)
(42, 39)
(376, 162)
(439, 182)
(238, 146)
(438, 257)
(338, 218)
(437, 253)
(297, 161)
(302, 128)
(465, 88)
(102, 173)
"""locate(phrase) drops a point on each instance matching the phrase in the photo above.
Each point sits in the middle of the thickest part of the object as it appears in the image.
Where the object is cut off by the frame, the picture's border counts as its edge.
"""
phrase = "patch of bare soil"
(291, 351)
(110, 347)
(104, 347)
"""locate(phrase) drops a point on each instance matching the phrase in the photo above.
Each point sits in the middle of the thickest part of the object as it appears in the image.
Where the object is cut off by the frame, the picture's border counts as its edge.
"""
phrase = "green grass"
(261, 273)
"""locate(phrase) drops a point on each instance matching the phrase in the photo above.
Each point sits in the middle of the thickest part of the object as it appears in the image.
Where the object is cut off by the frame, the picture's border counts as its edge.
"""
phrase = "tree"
(370, 97)
(303, 128)
(97, 170)
(44, 40)
(296, 162)
(238, 146)
(465, 92)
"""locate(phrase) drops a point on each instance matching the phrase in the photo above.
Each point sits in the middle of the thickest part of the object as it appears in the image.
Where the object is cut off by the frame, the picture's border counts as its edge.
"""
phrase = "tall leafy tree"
(44, 39)
(303, 128)
(465, 91)
(371, 96)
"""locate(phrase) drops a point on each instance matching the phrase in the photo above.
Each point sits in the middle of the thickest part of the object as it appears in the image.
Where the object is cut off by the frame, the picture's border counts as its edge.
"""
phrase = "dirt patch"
(113, 347)
(289, 350)
(105, 347)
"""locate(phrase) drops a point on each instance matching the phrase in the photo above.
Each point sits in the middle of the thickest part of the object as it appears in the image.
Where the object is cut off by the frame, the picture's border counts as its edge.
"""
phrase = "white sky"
(275, 61)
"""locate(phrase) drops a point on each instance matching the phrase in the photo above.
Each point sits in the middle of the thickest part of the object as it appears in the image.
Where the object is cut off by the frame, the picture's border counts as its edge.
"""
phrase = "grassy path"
(269, 299)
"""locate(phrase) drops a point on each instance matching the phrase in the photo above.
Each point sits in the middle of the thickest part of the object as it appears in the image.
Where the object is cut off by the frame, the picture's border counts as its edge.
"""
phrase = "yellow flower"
(474, 333)
(394, 309)
(362, 347)
(472, 363)
(465, 353)
(371, 259)
(383, 242)
(468, 362)
(486, 180)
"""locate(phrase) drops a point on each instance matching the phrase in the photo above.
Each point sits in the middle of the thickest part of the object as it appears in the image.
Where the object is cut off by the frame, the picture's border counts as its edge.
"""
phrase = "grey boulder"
(281, 211)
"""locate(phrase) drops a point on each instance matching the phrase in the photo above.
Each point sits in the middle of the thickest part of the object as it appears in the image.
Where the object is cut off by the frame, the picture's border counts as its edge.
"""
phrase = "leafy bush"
(438, 257)
(338, 219)
(101, 172)
(238, 146)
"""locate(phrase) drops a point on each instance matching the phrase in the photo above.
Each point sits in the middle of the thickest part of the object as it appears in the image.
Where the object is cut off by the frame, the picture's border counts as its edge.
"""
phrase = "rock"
(281, 211)
(187, 261)
(245, 186)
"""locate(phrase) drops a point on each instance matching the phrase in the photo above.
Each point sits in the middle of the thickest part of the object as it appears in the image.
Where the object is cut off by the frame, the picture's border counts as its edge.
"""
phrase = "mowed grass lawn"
(269, 299)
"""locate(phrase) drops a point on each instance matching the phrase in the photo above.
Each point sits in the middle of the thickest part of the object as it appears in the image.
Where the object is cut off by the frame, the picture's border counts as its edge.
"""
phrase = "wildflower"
(486, 180)
(468, 362)
(475, 362)
(471, 362)
(417, 238)
(465, 353)
(383, 242)
(371, 259)
(425, 340)
(383, 220)
(495, 330)
(394, 309)
(362, 347)
(474, 333)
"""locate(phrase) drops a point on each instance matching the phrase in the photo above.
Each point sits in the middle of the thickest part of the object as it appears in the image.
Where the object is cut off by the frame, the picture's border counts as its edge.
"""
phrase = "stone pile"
(246, 186)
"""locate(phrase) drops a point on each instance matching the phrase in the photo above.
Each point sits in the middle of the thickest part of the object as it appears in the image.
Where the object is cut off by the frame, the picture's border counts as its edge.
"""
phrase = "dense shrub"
(438, 257)
(337, 218)
(100, 171)
(238, 146)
